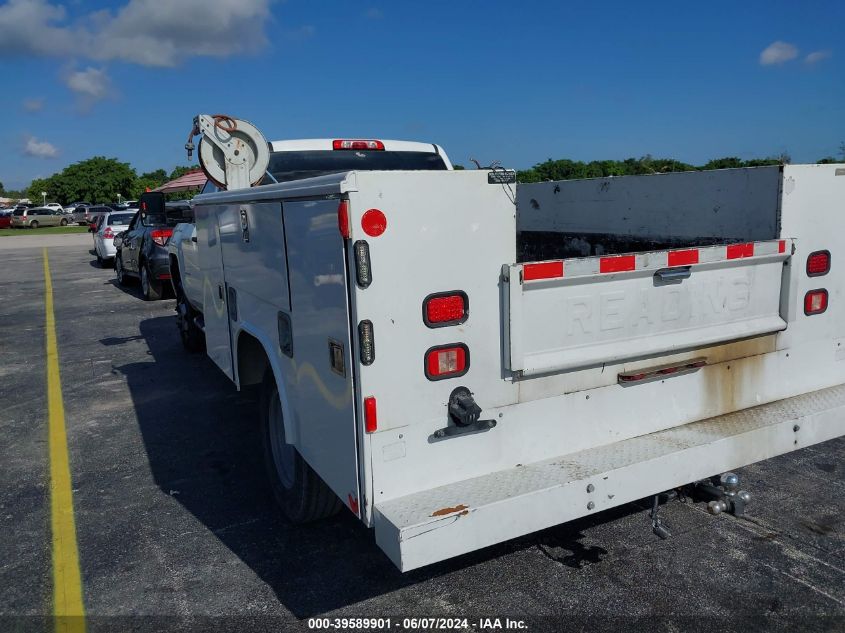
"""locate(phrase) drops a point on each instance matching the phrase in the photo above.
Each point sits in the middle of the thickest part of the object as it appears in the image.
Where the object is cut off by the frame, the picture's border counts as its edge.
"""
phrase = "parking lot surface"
(176, 527)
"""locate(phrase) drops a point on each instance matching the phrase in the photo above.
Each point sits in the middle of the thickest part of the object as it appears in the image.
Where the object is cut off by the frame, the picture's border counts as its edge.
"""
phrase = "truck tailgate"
(575, 313)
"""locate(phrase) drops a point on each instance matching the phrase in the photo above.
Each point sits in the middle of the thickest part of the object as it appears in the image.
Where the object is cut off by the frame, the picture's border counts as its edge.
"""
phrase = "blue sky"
(515, 82)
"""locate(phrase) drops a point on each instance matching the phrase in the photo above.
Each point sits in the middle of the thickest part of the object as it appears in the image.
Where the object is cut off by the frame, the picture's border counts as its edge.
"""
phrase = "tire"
(150, 287)
(100, 261)
(299, 491)
(122, 278)
(193, 338)
(33, 224)
(63, 222)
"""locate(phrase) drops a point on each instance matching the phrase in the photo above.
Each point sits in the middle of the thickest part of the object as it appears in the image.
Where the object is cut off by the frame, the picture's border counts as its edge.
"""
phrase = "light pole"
(118, 198)
(43, 198)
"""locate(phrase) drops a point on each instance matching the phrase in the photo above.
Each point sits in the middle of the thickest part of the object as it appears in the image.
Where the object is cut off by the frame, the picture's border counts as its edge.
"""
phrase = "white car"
(55, 206)
(109, 225)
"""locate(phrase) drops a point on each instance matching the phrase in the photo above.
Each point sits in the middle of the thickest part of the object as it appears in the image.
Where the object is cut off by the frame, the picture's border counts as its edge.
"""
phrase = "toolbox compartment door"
(585, 312)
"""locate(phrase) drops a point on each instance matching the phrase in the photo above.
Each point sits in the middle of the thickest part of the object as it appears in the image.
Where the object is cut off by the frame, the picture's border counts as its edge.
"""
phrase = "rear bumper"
(159, 261)
(440, 523)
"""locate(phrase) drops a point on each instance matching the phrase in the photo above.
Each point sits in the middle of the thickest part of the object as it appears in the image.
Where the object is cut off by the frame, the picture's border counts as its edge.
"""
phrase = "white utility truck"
(461, 360)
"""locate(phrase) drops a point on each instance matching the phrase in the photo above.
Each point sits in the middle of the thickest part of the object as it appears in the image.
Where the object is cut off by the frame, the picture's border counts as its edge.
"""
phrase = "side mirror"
(118, 239)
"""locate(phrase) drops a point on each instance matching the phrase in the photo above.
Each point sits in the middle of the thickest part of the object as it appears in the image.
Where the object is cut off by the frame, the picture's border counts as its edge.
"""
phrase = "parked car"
(107, 226)
(39, 216)
(5, 218)
(54, 205)
(142, 249)
(70, 208)
(87, 214)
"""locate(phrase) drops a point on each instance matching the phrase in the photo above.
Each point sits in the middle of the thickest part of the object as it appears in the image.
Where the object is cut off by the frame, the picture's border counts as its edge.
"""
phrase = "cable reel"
(232, 152)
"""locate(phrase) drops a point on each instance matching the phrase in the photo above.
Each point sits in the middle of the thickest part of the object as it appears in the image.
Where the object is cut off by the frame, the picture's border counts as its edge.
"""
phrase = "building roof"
(192, 180)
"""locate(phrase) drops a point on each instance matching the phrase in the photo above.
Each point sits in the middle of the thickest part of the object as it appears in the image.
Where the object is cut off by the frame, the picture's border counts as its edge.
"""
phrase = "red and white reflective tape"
(655, 260)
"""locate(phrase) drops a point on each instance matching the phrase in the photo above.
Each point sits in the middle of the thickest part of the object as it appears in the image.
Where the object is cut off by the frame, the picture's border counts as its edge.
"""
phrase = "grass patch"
(45, 230)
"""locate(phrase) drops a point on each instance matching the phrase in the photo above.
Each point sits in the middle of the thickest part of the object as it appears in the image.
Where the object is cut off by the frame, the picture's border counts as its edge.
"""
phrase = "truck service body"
(464, 360)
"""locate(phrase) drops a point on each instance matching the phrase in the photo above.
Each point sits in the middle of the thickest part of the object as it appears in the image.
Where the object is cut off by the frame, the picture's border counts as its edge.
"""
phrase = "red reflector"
(782, 246)
(683, 258)
(617, 264)
(447, 361)
(357, 144)
(738, 251)
(543, 270)
(445, 309)
(631, 377)
(373, 222)
(815, 301)
(343, 219)
(818, 263)
(668, 370)
(164, 276)
(160, 236)
(370, 415)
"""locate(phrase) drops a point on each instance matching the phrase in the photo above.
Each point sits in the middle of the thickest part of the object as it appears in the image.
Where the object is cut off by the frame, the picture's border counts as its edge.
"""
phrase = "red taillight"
(445, 308)
(818, 263)
(374, 222)
(108, 233)
(446, 361)
(343, 219)
(370, 415)
(357, 144)
(160, 236)
(815, 301)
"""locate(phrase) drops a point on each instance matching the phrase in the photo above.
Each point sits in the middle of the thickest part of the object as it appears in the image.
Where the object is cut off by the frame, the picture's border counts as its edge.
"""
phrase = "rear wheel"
(150, 287)
(193, 338)
(122, 278)
(33, 224)
(63, 222)
(298, 490)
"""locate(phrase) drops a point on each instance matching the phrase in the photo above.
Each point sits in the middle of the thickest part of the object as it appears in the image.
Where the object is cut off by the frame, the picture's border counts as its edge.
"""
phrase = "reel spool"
(232, 152)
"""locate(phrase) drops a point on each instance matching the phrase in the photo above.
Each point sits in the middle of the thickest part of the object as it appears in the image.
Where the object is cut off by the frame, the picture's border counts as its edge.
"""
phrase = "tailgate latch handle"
(672, 275)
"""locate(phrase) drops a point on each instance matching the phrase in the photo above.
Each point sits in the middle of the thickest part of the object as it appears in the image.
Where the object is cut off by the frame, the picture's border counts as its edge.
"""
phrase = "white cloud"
(33, 105)
(374, 13)
(89, 84)
(39, 149)
(778, 53)
(30, 27)
(144, 32)
(816, 56)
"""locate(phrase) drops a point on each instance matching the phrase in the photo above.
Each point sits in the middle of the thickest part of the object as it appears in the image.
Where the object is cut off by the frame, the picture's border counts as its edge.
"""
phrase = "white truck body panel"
(549, 380)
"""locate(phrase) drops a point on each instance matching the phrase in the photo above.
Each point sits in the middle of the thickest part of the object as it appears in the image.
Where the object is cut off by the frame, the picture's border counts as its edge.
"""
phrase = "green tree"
(150, 179)
(98, 179)
(38, 185)
(2, 188)
(728, 162)
(827, 160)
(181, 170)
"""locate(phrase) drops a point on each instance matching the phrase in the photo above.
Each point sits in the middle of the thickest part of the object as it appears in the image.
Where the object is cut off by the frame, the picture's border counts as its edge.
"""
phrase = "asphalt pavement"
(177, 529)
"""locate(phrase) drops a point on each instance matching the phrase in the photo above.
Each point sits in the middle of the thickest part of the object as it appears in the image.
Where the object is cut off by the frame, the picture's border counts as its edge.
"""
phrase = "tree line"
(101, 179)
(565, 169)
(96, 180)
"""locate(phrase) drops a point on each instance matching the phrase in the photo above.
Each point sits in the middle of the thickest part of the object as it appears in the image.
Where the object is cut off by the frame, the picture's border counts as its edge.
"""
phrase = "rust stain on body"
(444, 511)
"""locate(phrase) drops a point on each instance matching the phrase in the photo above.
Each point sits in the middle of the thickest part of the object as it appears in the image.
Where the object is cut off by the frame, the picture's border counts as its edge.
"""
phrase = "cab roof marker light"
(357, 144)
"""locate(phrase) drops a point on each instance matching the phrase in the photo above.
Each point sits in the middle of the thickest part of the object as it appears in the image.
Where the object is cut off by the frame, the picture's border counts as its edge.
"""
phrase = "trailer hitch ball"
(717, 506)
(730, 482)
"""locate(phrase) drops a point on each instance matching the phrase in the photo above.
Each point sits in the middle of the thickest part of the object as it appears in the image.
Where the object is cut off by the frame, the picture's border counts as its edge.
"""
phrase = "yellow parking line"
(68, 607)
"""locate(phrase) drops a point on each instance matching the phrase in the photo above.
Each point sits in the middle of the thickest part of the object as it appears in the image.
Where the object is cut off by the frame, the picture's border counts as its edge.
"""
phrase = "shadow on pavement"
(204, 449)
